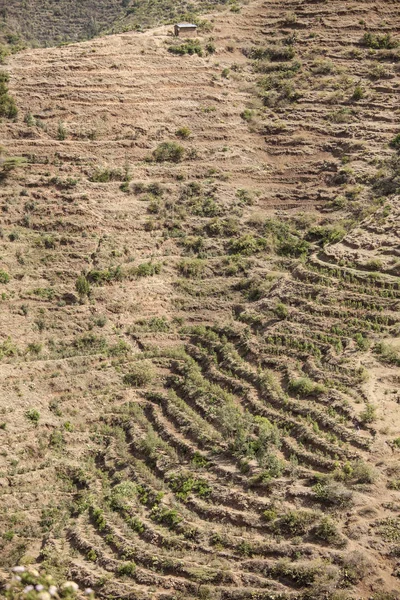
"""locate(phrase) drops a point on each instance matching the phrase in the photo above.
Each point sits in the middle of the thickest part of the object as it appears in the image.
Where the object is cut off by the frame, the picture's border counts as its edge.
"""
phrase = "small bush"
(188, 47)
(210, 48)
(105, 276)
(183, 133)
(247, 114)
(61, 131)
(281, 311)
(296, 522)
(326, 234)
(105, 175)
(355, 567)
(395, 142)
(168, 517)
(327, 531)
(140, 375)
(388, 353)
(293, 247)
(184, 485)
(363, 473)
(270, 515)
(147, 269)
(273, 53)
(358, 94)
(8, 108)
(91, 555)
(361, 341)
(368, 415)
(333, 493)
(248, 244)
(128, 568)
(305, 387)
(192, 268)
(33, 415)
(82, 286)
(168, 151)
(4, 277)
(379, 42)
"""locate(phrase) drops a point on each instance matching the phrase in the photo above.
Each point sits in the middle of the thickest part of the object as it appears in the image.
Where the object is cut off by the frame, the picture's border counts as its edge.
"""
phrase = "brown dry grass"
(313, 168)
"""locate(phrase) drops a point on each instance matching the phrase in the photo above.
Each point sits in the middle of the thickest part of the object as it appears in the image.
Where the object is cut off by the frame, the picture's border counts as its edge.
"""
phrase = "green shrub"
(281, 311)
(188, 47)
(374, 264)
(98, 517)
(104, 175)
(8, 108)
(293, 247)
(358, 94)
(247, 114)
(270, 515)
(61, 131)
(274, 53)
(333, 493)
(244, 196)
(361, 341)
(363, 473)
(183, 485)
(156, 324)
(91, 555)
(183, 133)
(395, 142)
(82, 286)
(105, 276)
(355, 567)
(139, 375)
(210, 48)
(322, 67)
(328, 234)
(305, 387)
(4, 277)
(327, 531)
(4, 51)
(388, 353)
(248, 244)
(166, 516)
(128, 568)
(168, 151)
(192, 267)
(33, 415)
(147, 269)
(296, 522)
(379, 42)
(368, 415)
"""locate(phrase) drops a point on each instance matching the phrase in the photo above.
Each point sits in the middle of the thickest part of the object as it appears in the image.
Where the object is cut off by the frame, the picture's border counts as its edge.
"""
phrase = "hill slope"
(200, 301)
(40, 23)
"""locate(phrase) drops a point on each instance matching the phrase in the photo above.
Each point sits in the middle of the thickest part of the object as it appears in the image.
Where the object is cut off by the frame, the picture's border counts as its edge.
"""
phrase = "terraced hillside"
(200, 302)
(50, 22)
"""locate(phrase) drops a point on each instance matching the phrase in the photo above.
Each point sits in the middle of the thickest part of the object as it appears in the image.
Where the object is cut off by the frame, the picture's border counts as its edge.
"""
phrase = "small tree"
(82, 286)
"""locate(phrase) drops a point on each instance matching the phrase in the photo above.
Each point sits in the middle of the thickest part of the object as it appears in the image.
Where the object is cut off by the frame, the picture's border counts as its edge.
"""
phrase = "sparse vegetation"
(199, 337)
